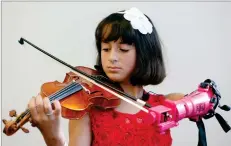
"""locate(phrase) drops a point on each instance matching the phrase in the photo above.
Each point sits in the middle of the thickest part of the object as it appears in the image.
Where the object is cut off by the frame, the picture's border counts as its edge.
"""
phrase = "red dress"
(112, 128)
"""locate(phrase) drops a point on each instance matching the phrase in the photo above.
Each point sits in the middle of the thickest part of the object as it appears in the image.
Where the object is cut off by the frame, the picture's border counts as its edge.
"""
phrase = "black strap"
(225, 126)
(201, 133)
(200, 125)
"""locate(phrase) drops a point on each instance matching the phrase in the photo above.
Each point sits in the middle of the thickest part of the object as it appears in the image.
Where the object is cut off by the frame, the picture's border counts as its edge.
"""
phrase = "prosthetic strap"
(201, 129)
(200, 125)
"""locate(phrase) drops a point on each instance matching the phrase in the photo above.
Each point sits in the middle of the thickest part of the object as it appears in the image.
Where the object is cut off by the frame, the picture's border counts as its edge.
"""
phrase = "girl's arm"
(80, 132)
(174, 96)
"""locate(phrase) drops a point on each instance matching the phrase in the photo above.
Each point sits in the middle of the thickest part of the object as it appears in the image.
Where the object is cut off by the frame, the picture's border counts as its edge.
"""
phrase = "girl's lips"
(114, 69)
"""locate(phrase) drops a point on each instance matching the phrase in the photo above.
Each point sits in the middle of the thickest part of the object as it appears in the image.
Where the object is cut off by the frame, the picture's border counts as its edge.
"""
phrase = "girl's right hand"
(47, 119)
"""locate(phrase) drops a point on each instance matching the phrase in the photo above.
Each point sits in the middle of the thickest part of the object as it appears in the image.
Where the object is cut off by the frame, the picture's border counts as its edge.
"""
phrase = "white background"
(196, 38)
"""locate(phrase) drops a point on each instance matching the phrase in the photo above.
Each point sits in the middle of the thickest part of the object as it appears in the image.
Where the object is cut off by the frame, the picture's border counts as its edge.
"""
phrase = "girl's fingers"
(39, 104)
(33, 124)
(47, 106)
(32, 107)
(57, 107)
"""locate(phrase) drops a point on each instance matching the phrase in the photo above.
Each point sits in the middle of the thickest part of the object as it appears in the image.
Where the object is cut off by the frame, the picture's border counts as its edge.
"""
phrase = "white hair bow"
(138, 20)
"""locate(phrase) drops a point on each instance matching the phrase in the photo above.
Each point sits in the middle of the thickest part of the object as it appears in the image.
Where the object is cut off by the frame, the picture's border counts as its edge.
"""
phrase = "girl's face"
(118, 60)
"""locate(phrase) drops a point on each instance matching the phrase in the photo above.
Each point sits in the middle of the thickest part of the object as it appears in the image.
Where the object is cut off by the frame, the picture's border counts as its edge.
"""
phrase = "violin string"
(59, 93)
(68, 91)
(74, 89)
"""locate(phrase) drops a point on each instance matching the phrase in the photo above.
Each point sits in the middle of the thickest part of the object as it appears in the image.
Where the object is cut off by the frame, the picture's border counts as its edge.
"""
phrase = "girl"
(130, 54)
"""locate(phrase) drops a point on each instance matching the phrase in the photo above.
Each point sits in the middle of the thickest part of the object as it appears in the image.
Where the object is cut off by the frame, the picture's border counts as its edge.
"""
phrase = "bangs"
(115, 31)
(112, 30)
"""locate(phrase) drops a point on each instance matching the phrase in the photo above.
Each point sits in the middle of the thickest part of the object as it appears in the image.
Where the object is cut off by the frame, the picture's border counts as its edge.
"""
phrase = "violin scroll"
(12, 126)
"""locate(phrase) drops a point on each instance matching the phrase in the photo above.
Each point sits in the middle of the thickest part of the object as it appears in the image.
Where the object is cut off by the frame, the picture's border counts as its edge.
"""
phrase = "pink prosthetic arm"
(199, 104)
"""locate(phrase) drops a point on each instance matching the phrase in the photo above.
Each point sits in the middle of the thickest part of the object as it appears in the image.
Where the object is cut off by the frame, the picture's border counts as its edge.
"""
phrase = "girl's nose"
(113, 57)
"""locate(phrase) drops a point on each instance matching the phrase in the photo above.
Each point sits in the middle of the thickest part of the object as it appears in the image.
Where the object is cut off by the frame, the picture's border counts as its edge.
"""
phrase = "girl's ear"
(174, 96)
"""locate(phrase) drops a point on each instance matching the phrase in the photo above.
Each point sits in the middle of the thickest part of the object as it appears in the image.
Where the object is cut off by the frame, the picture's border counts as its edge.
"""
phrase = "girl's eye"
(105, 49)
(124, 50)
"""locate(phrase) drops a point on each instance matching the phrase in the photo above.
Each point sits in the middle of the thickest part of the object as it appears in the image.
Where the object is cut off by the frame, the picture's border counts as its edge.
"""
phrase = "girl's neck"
(135, 91)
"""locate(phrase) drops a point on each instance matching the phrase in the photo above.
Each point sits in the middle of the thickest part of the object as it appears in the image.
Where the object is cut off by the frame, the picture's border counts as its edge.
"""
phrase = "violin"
(81, 89)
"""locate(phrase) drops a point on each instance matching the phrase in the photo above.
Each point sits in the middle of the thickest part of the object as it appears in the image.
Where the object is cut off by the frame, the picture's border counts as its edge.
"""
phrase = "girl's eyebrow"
(123, 43)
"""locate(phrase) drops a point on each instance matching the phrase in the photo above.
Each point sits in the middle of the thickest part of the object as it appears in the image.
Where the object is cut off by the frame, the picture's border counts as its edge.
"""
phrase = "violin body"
(79, 103)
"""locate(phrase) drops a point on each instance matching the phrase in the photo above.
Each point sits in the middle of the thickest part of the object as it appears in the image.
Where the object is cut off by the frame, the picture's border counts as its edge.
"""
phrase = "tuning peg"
(12, 113)
(24, 129)
(4, 121)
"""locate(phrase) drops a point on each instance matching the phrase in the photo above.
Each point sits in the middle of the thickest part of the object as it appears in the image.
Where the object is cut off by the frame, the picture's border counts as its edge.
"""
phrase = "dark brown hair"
(150, 68)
